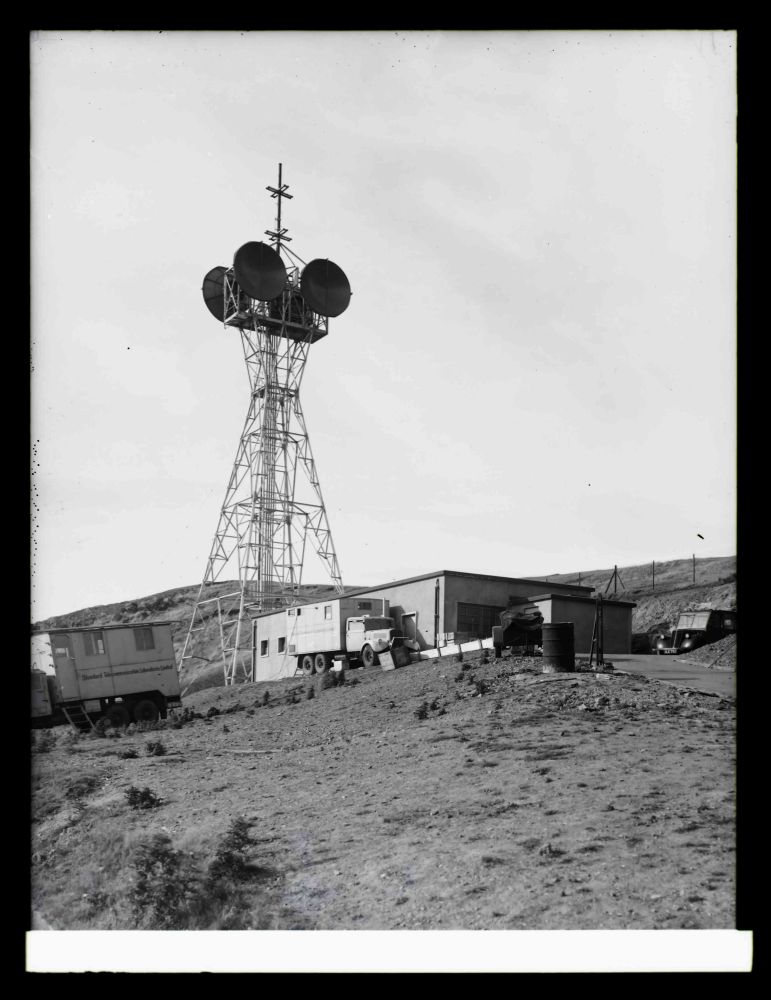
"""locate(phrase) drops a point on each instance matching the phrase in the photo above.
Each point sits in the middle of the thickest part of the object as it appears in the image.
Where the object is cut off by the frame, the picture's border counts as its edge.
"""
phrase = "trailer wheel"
(368, 657)
(146, 711)
(117, 715)
(307, 664)
(321, 663)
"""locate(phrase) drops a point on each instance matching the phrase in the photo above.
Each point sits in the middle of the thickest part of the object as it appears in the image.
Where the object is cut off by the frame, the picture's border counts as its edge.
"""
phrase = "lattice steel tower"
(273, 504)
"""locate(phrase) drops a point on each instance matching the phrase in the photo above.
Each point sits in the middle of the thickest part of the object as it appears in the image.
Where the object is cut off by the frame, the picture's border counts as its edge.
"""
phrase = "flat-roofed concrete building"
(435, 607)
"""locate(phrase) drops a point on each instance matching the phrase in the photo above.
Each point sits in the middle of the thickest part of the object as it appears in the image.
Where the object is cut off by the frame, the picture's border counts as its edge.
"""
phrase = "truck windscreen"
(371, 624)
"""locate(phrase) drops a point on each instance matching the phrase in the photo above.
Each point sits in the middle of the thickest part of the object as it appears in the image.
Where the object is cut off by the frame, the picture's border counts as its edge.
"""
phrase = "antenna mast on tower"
(273, 506)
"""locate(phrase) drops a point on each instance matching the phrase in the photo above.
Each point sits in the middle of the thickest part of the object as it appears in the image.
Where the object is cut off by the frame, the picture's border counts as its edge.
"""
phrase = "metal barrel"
(559, 655)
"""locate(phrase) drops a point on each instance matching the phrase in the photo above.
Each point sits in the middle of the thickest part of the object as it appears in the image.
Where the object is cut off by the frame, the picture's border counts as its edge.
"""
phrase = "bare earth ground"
(521, 801)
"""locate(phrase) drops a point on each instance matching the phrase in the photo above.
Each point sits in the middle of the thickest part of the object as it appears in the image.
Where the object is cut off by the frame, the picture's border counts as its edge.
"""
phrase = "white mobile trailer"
(124, 672)
(308, 636)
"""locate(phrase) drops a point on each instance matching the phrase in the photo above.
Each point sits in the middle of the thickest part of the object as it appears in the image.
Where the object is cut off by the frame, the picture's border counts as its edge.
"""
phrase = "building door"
(64, 662)
(410, 627)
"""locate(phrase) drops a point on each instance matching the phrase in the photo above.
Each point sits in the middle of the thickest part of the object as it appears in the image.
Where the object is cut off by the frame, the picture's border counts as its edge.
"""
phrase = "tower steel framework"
(273, 506)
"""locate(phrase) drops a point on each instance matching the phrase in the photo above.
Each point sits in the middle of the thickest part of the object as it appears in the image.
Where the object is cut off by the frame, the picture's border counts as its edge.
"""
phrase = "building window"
(328, 613)
(94, 643)
(143, 639)
(478, 619)
(282, 644)
(263, 647)
(291, 611)
(364, 605)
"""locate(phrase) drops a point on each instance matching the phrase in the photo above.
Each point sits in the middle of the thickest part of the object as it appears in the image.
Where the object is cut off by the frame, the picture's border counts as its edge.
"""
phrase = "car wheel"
(321, 662)
(368, 657)
(146, 711)
(117, 715)
(307, 665)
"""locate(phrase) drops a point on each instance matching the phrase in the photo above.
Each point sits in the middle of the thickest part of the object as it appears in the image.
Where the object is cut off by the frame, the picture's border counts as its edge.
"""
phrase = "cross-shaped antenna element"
(278, 193)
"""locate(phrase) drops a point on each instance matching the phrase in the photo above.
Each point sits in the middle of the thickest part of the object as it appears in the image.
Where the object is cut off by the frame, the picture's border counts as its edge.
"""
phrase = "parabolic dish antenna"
(259, 271)
(214, 292)
(325, 288)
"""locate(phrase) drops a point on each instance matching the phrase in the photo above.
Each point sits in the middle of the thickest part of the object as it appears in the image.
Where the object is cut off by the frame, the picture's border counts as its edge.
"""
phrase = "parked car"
(697, 628)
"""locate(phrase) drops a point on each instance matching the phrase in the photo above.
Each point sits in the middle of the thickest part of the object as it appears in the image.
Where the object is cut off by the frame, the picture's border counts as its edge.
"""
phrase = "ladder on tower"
(78, 718)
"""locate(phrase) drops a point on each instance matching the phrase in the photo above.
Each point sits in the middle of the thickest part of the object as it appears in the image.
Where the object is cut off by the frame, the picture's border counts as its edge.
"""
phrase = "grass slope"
(441, 795)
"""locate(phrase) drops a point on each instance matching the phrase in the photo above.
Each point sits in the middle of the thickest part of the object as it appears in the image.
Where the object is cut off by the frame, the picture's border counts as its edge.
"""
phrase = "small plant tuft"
(142, 798)
(421, 712)
(212, 712)
(130, 753)
(154, 748)
(266, 697)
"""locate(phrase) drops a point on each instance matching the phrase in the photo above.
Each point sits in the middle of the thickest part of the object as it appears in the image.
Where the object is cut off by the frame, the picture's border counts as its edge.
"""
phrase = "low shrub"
(43, 741)
(144, 726)
(230, 859)
(129, 753)
(162, 887)
(154, 748)
(421, 712)
(102, 726)
(266, 697)
(79, 787)
(142, 798)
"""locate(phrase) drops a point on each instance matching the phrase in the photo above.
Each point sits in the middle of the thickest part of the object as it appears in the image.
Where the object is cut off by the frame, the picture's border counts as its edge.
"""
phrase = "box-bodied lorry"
(307, 637)
(125, 673)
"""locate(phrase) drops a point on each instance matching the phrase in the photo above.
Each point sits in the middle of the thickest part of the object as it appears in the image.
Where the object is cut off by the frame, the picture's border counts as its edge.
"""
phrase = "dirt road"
(677, 670)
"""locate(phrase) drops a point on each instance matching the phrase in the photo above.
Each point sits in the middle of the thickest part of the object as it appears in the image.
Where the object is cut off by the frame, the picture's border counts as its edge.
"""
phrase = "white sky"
(537, 371)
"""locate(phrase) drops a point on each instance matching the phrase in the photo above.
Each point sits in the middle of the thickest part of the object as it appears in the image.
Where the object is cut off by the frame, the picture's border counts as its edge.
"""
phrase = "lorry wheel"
(368, 657)
(117, 715)
(321, 663)
(307, 664)
(146, 711)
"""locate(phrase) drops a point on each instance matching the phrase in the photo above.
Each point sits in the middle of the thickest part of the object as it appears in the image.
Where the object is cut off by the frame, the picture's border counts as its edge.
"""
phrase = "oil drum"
(558, 648)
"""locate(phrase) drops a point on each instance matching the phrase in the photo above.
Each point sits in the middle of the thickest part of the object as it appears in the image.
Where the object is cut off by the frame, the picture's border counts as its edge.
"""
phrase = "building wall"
(490, 593)
(416, 596)
(617, 620)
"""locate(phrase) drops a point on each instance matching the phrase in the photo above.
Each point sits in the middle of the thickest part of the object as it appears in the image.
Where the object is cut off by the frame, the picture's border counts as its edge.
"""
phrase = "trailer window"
(364, 605)
(263, 647)
(61, 645)
(94, 643)
(282, 644)
(143, 639)
(328, 612)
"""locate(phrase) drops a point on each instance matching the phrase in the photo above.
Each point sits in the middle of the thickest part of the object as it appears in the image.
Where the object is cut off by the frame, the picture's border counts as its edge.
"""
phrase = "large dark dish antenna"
(259, 271)
(325, 288)
(213, 289)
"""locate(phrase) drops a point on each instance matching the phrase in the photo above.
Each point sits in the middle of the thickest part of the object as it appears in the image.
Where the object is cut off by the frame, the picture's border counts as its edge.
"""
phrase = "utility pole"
(653, 568)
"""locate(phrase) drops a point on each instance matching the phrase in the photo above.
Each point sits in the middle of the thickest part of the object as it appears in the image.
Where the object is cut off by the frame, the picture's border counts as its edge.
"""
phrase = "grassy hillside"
(674, 591)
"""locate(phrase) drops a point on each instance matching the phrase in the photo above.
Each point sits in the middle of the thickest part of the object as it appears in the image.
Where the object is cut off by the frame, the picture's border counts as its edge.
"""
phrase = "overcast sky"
(537, 370)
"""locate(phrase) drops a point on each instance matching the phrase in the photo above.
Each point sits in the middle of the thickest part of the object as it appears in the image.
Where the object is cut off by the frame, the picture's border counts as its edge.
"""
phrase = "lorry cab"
(367, 635)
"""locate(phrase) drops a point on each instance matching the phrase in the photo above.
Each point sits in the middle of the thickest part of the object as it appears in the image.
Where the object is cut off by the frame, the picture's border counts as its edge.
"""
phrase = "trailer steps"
(78, 718)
